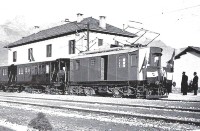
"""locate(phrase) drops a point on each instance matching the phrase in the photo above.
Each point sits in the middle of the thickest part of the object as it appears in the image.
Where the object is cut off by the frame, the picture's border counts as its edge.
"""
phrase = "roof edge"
(61, 35)
(189, 48)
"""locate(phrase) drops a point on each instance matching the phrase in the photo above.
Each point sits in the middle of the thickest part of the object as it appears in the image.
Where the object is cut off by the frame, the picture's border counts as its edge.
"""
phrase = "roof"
(188, 49)
(71, 28)
(103, 52)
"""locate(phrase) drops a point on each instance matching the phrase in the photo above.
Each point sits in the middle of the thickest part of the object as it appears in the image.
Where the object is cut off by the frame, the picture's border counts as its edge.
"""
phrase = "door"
(104, 67)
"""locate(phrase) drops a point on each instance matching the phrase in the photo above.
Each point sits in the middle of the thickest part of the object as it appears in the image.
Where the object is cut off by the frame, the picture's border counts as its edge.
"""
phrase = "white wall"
(189, 63)
(60, 47)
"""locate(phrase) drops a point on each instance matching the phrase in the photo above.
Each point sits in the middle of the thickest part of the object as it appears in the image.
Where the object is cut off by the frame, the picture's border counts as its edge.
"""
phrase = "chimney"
(102, 22)
(79, 17)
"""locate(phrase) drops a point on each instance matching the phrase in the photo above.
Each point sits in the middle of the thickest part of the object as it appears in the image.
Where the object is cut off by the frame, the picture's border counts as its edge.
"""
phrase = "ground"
(15, 116)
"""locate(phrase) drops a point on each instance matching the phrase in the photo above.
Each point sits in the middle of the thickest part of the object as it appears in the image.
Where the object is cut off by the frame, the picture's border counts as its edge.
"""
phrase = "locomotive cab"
(154, 78)
(153, 70)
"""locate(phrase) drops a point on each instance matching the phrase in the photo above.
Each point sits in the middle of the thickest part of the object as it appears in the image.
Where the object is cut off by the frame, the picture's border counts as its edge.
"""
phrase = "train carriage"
(118, 71)
(34, 77)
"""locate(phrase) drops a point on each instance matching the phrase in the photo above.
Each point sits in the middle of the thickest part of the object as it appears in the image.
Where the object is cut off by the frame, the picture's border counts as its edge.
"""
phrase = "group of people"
(184, 83)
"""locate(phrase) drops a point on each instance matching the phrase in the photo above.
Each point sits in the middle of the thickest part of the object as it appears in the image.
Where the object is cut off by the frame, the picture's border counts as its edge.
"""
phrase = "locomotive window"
(71, 65)
(20, 71)
(4, 72)
(77, 65)
(92, 61)
(156, 60)
(133, 60)
(27, 70)
(122, 61)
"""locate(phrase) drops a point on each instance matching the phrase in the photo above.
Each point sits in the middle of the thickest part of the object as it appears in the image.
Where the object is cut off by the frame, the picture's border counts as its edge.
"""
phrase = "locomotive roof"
(107, 52)
(71, 28)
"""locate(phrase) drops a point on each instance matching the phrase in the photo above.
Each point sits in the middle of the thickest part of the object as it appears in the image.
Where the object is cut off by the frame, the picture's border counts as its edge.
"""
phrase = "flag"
(143, 64)
(170, 63)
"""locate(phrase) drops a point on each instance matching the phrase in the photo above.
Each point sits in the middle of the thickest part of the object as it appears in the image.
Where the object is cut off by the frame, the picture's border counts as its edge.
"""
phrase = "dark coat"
(184, 83)
(195, 82)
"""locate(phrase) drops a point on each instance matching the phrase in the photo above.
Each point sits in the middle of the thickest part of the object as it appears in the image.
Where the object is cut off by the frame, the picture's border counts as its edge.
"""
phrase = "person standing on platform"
(195, 83)
(184, 83)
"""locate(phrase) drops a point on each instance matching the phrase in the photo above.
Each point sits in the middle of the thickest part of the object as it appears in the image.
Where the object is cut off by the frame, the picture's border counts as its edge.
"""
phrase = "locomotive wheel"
(117, 93)
(89, 91)
(71, 91)
(164, 92)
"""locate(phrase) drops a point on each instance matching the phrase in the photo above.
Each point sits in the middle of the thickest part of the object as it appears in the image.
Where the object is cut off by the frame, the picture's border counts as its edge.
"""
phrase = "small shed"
(188, 60)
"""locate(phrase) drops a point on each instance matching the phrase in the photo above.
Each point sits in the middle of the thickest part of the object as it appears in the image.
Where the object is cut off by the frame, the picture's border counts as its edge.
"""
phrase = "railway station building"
(67, 40)
(188, 61)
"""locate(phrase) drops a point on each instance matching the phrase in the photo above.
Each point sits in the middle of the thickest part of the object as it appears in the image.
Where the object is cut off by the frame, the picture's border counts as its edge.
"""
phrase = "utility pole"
(88, 37)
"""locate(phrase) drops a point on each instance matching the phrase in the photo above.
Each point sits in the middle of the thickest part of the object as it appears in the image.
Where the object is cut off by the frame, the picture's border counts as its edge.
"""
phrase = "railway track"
(108, 112)
(115, 104)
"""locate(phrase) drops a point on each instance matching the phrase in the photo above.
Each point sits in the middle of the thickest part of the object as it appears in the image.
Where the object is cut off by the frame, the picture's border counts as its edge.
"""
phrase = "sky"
(177, 21)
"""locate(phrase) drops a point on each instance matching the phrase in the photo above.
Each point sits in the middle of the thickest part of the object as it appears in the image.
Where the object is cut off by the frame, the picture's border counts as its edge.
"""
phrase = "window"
(133, 59)
(41, 69)
(20, 71)
(72, 47)
(4, 72)
(14, 56)
(30, 54)
(49, 50)
(47, 69)
(156, 60)
(27, 70)
(92, 61)
(77, 65)
(122, 61)
(100, 42)
(34, 70)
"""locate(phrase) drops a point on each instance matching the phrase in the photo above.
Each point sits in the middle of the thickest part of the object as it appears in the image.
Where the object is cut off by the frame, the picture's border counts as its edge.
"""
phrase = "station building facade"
(66, 41)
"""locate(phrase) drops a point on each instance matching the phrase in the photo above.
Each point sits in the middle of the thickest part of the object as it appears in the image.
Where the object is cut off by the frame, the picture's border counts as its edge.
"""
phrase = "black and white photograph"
(99, 65)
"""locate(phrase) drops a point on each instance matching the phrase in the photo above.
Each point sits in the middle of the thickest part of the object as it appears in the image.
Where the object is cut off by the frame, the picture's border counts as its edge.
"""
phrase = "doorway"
(104, 67)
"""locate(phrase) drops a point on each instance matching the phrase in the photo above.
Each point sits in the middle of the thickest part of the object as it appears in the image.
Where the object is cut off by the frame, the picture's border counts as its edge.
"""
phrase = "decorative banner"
(169, 76)
(152, 74)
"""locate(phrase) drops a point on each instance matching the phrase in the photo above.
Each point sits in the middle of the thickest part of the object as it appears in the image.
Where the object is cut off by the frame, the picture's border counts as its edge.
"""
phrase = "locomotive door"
(133, 66)
(104, 67)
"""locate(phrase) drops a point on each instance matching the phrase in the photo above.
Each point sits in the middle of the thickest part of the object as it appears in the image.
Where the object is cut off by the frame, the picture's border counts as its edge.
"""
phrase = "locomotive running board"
(155, 97)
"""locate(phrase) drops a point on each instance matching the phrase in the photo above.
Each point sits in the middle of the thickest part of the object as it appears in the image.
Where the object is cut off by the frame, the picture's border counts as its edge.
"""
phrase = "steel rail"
(168, 120)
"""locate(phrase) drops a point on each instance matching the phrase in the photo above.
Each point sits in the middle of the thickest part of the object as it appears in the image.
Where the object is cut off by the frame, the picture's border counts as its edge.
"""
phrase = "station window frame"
(14, 56)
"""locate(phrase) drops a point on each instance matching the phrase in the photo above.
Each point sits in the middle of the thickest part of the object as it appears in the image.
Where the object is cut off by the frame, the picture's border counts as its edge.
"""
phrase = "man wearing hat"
(184, 83)
(195, 83)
